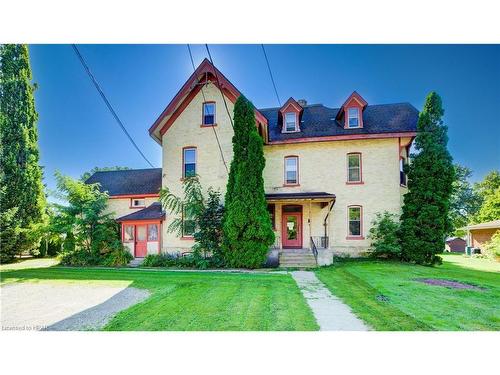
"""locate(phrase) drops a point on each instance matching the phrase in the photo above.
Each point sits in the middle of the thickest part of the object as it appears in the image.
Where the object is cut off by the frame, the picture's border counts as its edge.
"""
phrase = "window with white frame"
(209, 113)
(290, 122)
(152, 232)
(138, 202)
(128, 233)
(354, 213)
(354, 167)
(189, 160)
(291, 170)
(188, 225)
(353, 118)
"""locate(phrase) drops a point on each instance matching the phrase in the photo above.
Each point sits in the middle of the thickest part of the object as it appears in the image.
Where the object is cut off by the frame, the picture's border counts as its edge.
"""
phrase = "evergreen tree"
(21, 174)
(246, 225)
(425, 221)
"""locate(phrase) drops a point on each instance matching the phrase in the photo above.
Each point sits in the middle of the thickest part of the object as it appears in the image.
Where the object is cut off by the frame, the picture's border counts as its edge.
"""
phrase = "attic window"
(138, 202)
(209, 113)
(353, 118)
(290, 122)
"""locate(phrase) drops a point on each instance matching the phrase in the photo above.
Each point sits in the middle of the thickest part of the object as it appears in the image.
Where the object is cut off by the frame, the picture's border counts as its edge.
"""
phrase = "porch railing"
(320, 242)
(314, 250)
(277, 242)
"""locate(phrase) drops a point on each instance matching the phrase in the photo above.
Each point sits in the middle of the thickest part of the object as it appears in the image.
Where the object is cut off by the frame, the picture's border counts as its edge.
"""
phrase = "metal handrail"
(314, 250)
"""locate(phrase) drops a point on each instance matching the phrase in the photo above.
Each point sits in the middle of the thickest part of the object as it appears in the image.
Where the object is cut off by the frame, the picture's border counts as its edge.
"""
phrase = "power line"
(108, 104)
(204, 99)
(218, 84)
(271, 74)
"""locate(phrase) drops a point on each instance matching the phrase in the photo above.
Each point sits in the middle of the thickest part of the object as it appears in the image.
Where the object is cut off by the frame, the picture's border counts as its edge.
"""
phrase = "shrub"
(384, 237)
(193, 260)
(159, 260)
(117, 258)
(80, 258)
(492, 248)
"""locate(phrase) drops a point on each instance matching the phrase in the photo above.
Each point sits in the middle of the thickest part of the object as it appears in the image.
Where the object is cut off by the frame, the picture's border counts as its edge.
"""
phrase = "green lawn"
(413, 305)
(193, 301)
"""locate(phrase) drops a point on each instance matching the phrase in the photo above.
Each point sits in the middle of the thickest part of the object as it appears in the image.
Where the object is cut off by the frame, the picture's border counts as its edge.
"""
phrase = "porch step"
(297, 258)
(136, 262)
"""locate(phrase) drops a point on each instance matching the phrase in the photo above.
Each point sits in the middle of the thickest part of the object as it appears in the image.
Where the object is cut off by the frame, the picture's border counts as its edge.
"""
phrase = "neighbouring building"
(328, 171)
(455, 245)
(479, 234)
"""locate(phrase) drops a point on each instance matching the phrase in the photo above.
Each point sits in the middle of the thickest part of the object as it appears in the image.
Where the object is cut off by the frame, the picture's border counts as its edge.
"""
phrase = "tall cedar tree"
(425, 221)
(246, 225)
(21, 174)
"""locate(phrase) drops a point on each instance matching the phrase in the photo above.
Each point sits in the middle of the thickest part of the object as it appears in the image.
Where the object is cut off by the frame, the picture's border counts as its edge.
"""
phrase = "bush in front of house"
(192, 260)
(492, 248)
(384, 237)
(91, 236)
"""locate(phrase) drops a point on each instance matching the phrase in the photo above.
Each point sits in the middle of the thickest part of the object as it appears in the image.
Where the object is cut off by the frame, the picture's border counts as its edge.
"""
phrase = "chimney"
(302, 102)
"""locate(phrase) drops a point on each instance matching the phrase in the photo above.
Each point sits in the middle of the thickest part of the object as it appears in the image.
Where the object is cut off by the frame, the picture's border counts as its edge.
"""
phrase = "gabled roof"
(205, 72)
(353, 97)
(291, 102)
(318, 121)
(487, 225)
(152, 212)
(128, 182)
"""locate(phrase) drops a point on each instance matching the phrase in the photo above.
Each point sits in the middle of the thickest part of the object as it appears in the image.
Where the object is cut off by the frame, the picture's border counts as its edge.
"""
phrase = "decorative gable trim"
(353, 101)
(290, 106)
(205, 73)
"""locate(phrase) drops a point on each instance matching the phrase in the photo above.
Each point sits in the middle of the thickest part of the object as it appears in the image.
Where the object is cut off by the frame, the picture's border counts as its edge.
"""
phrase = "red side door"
(292, 230)
(141, 243)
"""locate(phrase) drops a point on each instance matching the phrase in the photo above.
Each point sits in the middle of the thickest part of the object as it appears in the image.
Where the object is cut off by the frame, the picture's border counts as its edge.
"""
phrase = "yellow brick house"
(328, 170)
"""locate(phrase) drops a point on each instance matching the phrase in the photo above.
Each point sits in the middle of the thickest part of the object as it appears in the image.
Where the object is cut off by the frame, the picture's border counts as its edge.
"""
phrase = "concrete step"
(297, 258)
(136, 262)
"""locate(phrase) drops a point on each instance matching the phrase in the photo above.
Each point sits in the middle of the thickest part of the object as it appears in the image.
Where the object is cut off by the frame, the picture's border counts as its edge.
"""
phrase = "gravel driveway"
(63, 307)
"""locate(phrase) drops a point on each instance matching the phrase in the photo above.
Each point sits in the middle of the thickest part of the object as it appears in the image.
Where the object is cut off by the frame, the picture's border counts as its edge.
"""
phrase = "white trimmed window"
(355, 221)
(128, 233)
(209, 113)
(353, 118)
(189, 161)
(354, 167)
(291, 170)
(290, 122)
(138, 202)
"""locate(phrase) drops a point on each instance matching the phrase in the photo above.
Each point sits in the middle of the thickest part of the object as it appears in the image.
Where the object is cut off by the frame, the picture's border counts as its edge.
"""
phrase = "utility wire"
(205, 99)
(106, 101)
(218, 84)
(271, 74)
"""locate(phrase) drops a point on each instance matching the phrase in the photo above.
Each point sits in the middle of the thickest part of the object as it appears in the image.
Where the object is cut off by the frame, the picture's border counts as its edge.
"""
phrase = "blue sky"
(77, 132)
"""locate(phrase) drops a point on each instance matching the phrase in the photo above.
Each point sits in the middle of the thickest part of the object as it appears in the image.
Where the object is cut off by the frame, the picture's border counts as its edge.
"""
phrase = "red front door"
(141, 243)
(292, 230)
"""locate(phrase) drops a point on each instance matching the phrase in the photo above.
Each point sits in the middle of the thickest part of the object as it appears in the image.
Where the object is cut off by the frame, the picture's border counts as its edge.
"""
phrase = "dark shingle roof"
(152, 212)
(131, 181)
(310, 195)
(319, 121)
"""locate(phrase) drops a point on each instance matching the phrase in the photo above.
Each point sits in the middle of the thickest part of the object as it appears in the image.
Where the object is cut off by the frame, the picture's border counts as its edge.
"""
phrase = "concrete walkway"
(330, 312)
(62, 306)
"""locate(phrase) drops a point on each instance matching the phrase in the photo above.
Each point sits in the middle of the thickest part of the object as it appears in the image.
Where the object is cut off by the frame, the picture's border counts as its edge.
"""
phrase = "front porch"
(301, 226)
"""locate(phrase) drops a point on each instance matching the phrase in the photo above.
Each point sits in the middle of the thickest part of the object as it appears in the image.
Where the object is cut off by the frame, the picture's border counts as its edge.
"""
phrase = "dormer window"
(290, 122)
(351, 112)
(290, 116)
(353, 118)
